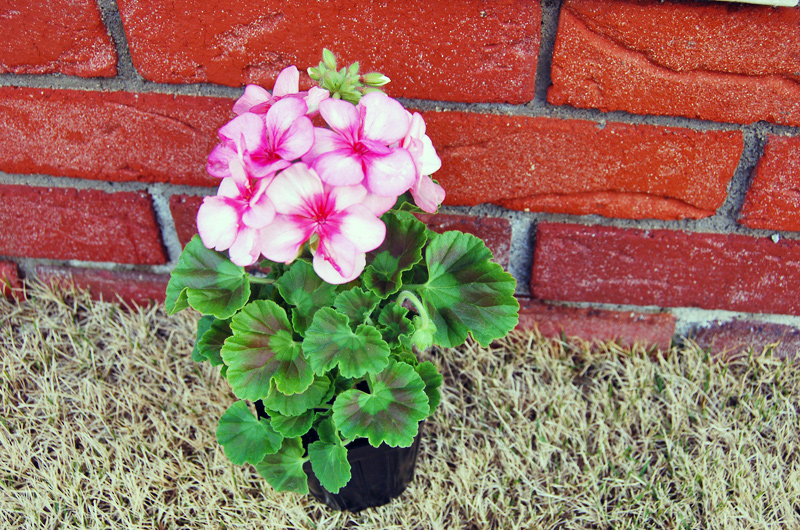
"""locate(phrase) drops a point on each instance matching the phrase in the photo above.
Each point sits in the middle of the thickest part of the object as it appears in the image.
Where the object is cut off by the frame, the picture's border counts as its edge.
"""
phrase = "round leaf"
(284, 469)
(330, 465)
(433, 380)
(292, 426)
(330, 342)
(208, 281)
(357, 304)
(262, 349)
(390, 413)
(244, 437)
(296, 404)
(306, 291)
(466, 292)
(400, 250)
(210, 344)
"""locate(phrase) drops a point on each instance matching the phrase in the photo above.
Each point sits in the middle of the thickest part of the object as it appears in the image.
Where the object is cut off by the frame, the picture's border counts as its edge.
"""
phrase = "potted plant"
(319, 287)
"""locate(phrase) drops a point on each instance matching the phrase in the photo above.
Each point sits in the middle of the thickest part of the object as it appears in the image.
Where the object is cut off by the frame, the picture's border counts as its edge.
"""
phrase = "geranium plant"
(317, 283)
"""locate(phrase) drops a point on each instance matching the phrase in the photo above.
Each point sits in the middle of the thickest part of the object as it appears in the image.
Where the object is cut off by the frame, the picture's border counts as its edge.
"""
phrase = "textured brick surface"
(740, 337)
(773, 200)
(110, 135)
(133, 288)
(63, 36)
(628, 328)
(184, 213)
(695, 59)
(86, 225)
(495, 231)
(581, 167)
(448, 49)
(666, 268)
(10, 283)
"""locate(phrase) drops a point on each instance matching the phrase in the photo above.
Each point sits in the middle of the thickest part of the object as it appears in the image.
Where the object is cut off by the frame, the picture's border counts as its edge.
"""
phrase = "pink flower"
(234, 219)
(427, 194)
(340, 229)
(263, 145)
(258, 100)
(356, 149)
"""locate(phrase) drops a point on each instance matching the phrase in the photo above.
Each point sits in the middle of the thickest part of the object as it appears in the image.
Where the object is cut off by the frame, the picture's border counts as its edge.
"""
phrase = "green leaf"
(261, 350)
(297, 404)
(330, 342)
(208, 281)
(466, 292)
(357, 304)
(330, 465)
(400, 250)
(433, 380)
(210, 345)
(203, 325)
(307, 292)
(390, 413)
(244, 437)
(284, 469)
(291, 426)
(395, 327)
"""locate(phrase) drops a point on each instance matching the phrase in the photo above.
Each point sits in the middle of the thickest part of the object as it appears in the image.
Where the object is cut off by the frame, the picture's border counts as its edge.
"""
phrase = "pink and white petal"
(429, 162)
(231, 189)
(337, 262)
(390, 175)
(416, 127)
(345, 196)
(266, 166)
(342, 117)
(253, 95)
(325, 141)
(427, 194)
(362, 228)
(281, 240)
(259, 214)
(246, 131)
(281, 115)
(244, 251)
(339, 168)
(219, 160)
(315, 96)
(377, 204)
(385, 119)
(217, 223)
(374, 147)
(294, 189)
(297, 140)
(288, 82)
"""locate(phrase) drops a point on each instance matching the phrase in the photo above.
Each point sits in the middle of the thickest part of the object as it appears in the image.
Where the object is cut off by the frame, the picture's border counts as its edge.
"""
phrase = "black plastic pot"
(378, 474)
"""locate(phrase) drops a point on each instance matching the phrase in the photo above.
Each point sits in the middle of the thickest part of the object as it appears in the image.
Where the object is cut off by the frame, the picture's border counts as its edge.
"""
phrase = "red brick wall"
(634, 163)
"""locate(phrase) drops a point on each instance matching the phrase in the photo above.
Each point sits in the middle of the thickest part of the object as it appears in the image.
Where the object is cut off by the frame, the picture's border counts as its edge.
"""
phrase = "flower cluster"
(286, 183)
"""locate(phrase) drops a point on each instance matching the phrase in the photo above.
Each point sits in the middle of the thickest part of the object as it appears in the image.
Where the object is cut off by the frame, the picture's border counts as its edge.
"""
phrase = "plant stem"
(259, 279)
(423, 313)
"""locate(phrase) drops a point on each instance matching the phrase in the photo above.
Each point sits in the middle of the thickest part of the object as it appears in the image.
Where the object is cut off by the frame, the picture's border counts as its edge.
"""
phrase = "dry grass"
(105, 422)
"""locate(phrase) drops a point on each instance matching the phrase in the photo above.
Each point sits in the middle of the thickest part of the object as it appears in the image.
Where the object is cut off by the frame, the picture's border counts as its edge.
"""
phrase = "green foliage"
(292, 426)
(284, 469)
(400, 250)
(296, 404)
(244, 437)
(207, 281)
(307, 292)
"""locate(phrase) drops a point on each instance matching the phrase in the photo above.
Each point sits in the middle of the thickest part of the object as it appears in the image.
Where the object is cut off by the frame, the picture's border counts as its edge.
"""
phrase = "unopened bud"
(375, 79)
(329, 59)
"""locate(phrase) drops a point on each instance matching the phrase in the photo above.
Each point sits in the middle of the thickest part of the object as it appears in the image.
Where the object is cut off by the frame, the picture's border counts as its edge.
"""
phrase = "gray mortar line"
(169, 235)
(551, 10)
(28, 265)
(740, 183)
(48, 181)
(113, 22)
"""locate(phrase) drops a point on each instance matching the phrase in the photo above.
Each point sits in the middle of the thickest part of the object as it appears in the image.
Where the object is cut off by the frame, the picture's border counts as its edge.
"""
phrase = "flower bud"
(374, 79)
(328, 58)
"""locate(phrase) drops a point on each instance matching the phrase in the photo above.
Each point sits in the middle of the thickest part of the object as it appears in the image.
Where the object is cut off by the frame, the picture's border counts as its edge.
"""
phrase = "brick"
(132, 287)
(114, 136)
(625, 327)
(773, 200)
(184, 213)
(56, 36)
(580, 167)
(10, 282)
(444, 50)
(740, 337)
(693, 59)
(90, 225)
(494, 231)
(666, 268)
